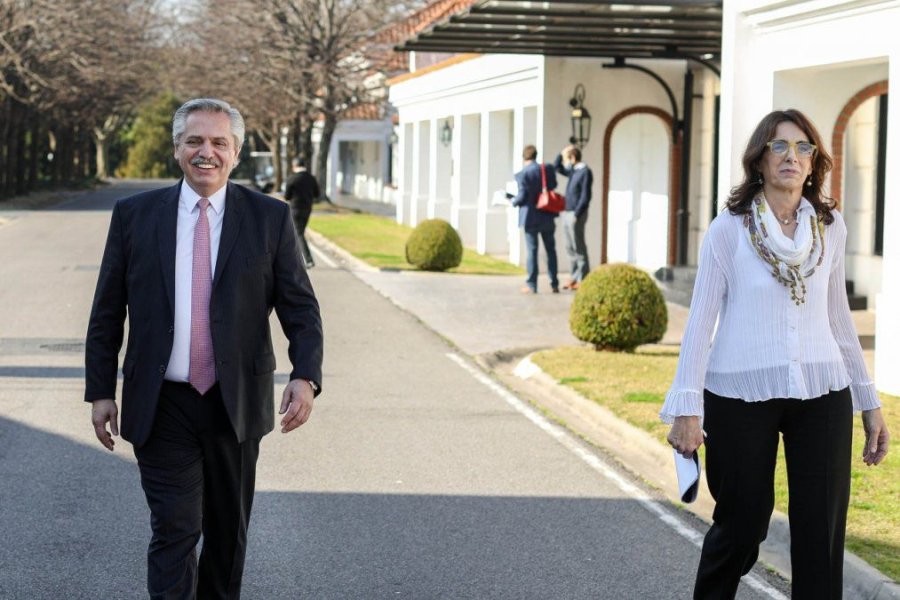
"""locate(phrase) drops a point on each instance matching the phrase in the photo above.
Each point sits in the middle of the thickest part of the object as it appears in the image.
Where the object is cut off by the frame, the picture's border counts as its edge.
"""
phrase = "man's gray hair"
(179, 121)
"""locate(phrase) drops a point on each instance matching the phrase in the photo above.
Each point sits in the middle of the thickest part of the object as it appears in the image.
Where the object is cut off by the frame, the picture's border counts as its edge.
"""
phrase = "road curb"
(644, 456)
(349, 261)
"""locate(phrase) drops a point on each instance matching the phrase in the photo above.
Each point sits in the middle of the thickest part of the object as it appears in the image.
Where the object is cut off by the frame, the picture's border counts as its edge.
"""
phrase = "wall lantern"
(446, 133)
(581, 118)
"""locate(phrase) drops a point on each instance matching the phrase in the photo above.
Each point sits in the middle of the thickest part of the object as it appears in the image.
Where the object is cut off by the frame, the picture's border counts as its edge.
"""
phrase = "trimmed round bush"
(434, 246)
(618, 307)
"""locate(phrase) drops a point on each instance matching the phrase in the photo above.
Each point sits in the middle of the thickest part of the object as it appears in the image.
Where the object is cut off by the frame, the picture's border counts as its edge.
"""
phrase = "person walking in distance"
(536, 223)
(785, 363)
(578, 197)
(197, 268)
(302, 190)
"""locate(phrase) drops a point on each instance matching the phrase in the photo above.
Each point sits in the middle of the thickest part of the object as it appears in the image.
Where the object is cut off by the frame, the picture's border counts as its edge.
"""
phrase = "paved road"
(417, 476)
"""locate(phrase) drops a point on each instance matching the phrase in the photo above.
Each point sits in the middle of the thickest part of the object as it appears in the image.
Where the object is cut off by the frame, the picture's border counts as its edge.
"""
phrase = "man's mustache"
(200, 161)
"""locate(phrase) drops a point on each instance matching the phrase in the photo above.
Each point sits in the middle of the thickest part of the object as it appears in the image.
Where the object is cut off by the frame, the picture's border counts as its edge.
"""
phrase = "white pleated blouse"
(765, 345)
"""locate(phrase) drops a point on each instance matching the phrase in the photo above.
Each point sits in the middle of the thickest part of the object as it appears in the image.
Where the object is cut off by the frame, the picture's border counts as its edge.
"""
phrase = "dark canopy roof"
(685, 29)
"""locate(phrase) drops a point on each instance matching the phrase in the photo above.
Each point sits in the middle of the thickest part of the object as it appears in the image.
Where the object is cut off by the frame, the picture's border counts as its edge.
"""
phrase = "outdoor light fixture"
(581, 118)
(446, 133)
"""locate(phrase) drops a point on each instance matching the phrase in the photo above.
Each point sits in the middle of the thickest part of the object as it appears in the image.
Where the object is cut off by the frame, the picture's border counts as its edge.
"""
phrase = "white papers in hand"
(498, 198)
(688, 471)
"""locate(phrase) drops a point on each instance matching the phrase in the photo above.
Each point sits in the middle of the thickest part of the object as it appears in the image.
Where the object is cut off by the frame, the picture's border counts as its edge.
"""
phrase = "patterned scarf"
(792, 260)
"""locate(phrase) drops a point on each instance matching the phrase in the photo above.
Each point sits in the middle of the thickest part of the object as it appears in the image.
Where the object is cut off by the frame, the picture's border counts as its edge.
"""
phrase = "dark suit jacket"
(302, 190)
(258, 268)
(529, 182)
(578, 189)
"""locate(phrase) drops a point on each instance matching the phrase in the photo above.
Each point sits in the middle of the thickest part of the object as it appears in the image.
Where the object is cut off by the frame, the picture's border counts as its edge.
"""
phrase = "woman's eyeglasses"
(781, 147)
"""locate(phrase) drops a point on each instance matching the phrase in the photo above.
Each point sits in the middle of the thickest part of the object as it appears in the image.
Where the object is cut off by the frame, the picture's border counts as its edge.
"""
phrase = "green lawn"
(633, 387)
(381, 242)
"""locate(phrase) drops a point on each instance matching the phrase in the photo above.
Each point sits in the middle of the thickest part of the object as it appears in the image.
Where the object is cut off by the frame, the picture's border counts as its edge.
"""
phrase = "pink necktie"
(202, 374)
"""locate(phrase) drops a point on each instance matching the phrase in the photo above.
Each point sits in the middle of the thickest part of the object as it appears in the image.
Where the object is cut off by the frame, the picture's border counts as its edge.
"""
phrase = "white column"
(513, 234)
(385, 168)
(483, 182)
(333, 158)
(432, 167)
(887, 320)
(456, 170)
(415, 182)
(403, 188)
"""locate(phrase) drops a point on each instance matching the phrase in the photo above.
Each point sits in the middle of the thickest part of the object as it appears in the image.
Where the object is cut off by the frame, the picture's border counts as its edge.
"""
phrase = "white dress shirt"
(766, 346)
(188, 214)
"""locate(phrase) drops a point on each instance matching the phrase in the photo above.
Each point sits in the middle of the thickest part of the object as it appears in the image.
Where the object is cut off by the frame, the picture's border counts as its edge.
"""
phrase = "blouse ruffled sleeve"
(685, 397)
(862, 388)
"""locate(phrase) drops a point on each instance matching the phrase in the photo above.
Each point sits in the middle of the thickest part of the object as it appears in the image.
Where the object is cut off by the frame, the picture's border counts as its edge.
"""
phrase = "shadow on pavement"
(75, 526)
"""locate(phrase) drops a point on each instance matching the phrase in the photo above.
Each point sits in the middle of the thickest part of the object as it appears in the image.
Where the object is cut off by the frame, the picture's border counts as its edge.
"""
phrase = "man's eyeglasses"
(781, 147)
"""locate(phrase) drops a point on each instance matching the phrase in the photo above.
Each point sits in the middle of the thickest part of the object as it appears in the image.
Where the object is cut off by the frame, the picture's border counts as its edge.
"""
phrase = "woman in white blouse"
(785, 359)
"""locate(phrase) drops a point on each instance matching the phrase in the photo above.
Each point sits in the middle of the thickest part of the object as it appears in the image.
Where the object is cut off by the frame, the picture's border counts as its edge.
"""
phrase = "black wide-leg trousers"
(741, 449)
(197, 479)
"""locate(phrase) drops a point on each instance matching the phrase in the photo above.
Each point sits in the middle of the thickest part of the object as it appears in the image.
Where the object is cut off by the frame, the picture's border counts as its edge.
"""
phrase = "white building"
(494, 105)
(832, 60)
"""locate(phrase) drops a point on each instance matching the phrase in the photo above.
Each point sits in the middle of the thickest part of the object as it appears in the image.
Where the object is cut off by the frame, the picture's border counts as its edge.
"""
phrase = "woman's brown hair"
(742, 195)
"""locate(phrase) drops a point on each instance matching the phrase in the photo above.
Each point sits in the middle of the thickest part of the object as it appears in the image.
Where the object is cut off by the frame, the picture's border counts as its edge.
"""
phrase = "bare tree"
(316, 61)
(71, 71)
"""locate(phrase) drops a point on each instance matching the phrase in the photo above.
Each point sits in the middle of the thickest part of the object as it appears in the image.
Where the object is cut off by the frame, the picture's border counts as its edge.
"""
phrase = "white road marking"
(321, 255)
(571, 444)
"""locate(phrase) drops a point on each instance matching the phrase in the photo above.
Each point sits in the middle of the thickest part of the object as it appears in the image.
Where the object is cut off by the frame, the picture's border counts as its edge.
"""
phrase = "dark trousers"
(531, 245)
(197, 479)
(576, 247)
(301, 220)
(741, 448)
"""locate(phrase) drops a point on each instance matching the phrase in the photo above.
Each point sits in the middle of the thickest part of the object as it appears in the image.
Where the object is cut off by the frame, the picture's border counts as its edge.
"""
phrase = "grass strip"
(633, 387)
(381, 242)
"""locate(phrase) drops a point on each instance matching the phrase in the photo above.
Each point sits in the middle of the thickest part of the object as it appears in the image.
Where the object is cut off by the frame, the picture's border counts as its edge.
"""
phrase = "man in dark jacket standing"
(536, 222)
(302, 190)
(578, 196)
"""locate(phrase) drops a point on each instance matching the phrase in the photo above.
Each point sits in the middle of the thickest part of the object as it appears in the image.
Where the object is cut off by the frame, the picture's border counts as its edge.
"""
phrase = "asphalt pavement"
(487, 319)
(420, 474)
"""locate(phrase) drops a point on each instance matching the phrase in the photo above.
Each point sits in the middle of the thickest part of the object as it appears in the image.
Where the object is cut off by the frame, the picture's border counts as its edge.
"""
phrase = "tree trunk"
(276, 158)
(5, 183)
(53, 143)
(85, 143)
(12, 150)
(102, 155)
(34, 152)
(21, 149)
(65, 149)
(306, 143)
(321, 173)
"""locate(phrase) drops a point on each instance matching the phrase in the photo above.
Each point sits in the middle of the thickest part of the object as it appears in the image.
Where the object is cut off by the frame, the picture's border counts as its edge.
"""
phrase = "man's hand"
(877, 437)
(686, 435)
(296, 404)
(103, 411)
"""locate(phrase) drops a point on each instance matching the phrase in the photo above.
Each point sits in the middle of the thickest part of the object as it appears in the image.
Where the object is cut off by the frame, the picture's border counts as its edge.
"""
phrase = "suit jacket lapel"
(167, 235)
(231, 225)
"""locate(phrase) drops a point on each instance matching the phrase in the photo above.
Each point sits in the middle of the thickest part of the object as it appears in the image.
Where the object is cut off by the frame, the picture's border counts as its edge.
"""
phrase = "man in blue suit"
(578, 196)
(536, 222)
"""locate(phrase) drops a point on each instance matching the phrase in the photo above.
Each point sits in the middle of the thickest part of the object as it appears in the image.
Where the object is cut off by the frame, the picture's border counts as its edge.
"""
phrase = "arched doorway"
(857, 184)
(638, 194)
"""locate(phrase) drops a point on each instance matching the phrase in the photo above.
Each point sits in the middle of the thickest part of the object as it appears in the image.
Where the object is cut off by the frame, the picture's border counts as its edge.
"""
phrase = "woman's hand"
(686, 435)
(877, 437)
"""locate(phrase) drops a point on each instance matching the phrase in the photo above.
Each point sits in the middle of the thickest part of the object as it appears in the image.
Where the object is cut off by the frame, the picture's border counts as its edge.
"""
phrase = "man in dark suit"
(197, 268)
(302, 190)
(578, 197)
(536, 223)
